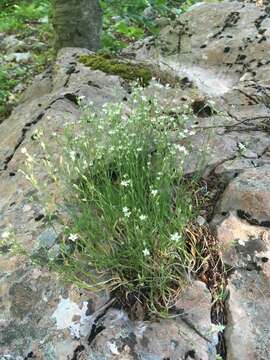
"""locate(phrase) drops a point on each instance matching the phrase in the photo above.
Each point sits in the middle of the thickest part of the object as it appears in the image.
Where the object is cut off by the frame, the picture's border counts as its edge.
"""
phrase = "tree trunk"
(77, 23)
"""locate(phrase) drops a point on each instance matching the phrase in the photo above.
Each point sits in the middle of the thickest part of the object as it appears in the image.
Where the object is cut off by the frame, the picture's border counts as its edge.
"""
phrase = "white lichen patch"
(69, 315)
(113, 348)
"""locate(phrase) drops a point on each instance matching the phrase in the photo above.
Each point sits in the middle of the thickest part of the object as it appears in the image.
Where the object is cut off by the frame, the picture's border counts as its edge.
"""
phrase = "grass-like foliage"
(126, 203)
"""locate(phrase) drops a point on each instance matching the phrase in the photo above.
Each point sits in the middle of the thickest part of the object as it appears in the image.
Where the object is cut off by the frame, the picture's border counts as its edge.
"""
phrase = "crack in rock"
(231, 20)
(69, 96)
(252, 221)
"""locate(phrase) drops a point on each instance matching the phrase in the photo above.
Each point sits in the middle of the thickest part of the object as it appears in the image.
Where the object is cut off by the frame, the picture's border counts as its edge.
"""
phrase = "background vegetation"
(123, 22)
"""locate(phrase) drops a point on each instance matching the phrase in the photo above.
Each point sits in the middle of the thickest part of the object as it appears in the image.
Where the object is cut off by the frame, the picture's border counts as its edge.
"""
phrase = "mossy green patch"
(113, 66)
(126, 69)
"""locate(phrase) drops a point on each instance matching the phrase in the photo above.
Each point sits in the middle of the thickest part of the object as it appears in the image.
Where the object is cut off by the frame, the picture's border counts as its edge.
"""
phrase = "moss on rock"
(126, 69)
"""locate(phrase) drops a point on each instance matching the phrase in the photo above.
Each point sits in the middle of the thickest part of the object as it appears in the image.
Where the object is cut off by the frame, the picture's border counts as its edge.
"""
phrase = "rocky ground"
(24, 52)
(220, 52)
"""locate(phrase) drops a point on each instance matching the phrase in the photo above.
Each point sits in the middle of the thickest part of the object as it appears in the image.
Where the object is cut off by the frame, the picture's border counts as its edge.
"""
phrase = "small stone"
(47, 238)
(19, 88)
(11, 44)
(201, 220)
(23, 58)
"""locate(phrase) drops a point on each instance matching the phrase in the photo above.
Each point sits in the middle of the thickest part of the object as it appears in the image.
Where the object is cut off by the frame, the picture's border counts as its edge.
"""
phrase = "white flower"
(146, 252)
(217, 328)
(154, 192)
(125, 183)
(25, 152)
(72, 155)
(211, 102)
(139, 149)
(175, 237)
(73, 237)
(126, 212)
(43, 146)
(6, 234)
(36, 134)
(241, 146)
(113, 348)
(29, 158)
(142, 217)
(181, 149)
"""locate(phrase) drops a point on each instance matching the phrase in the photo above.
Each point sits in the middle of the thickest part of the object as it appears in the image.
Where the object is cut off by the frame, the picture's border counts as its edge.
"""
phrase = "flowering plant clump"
(126, 200)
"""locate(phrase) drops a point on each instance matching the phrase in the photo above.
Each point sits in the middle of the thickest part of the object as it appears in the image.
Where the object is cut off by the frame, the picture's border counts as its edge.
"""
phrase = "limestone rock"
(39, 316)
(244, 236)
(29, 297)
(41, 85)
(244, 245)
(247, 333)
(249, 195)
(220, 52)
(191, 334)
(11, 44)
(245, 249)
